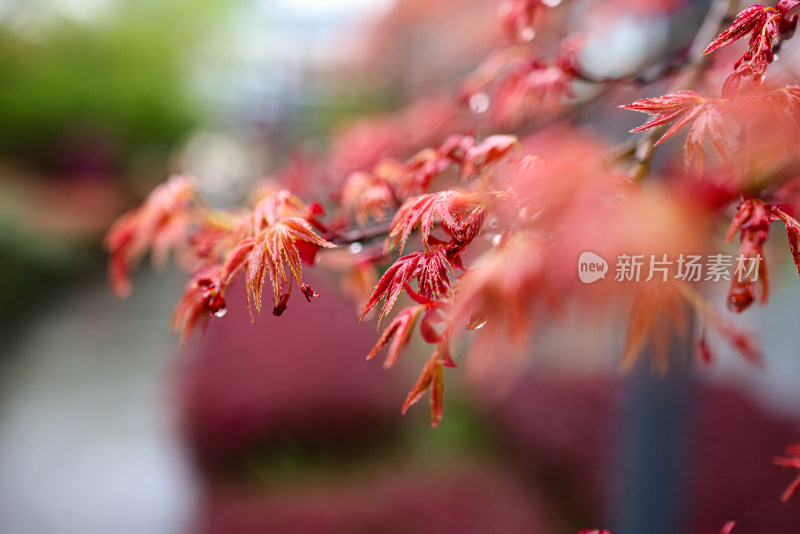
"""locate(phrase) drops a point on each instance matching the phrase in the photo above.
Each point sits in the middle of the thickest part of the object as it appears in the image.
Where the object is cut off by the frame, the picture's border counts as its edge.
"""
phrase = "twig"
(347, 236)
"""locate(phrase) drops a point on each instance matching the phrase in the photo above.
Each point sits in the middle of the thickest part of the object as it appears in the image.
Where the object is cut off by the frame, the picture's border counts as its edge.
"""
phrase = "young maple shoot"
(539, 190)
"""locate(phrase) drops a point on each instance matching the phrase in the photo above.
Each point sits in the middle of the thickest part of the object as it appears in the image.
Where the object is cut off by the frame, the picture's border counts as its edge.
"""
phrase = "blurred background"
(107, 424)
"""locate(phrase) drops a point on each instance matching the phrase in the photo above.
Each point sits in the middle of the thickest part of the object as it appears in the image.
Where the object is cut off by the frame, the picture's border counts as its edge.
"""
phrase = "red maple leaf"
(274, 248)
(707, 122)
(429, 268)
(682, 108)
(449, 207)
(767, 26)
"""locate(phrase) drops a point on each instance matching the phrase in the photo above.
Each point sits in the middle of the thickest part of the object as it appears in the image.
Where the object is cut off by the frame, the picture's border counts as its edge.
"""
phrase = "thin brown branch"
(360, 234)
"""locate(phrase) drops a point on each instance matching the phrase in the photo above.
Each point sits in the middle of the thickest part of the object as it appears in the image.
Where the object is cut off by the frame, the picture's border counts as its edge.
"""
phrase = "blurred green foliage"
(110, 84)
(121, 74)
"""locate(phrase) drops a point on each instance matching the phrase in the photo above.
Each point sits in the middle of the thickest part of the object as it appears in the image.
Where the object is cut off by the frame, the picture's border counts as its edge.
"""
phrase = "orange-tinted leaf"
(274, 248)
(236, 261)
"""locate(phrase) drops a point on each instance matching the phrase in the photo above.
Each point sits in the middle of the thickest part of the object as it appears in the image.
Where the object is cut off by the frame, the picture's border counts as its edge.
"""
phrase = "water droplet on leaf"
(479, 326)
(355, 248)
(220, 312)
(528, 34)
(479, 103)
(551, 3)
(496, 239)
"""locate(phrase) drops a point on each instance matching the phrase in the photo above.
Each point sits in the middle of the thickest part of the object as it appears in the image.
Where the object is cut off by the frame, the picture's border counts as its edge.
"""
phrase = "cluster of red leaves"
(273, 237)
(159, 224)
(517, 84)
(431, 269)
(538, 217)
(545, 212)
(219, 246)
(391, 182)
(752, 222)
(747, 131)
(767, 27)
